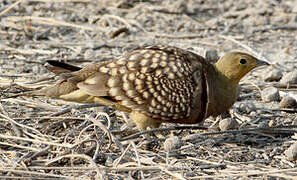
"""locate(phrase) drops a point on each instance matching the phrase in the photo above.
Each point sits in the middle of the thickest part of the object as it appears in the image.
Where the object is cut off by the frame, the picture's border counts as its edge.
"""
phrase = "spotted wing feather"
(162, 82)
(158, 81)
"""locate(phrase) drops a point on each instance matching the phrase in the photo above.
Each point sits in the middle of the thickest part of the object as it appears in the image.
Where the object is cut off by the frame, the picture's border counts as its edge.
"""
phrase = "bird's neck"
(225, 94)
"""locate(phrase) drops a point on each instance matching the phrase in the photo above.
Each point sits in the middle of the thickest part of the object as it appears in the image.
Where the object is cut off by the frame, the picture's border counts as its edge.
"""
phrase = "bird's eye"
(242, 61)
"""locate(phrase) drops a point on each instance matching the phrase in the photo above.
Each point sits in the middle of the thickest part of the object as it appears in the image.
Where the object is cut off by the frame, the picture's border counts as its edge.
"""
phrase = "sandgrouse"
(156, 84)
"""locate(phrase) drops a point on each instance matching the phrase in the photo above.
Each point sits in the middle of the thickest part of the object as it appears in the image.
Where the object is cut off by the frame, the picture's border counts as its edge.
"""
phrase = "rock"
(253, 114)
(270, 94)
(291, 152)
(288, 102)
(227, 124)
(172, 143)
(212, 56)
(190, 174)
(247, 107)
(272, 74)
(89, 54)
(290, 77)
(271, 123)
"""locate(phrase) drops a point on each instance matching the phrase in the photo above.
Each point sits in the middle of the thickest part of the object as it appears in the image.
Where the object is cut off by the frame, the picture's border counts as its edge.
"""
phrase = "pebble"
(271, 123)
(89, 54)
(190, 174)
(253, 114)
(272, 74)
(247, 107)
(172, 143)
(270, 94)
(212, 56)
(227, 124)
(290, 77)
(291, 152)
(288, 102)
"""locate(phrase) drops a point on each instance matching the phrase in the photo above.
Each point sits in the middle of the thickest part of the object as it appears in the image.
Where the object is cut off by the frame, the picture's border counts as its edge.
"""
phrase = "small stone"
(253, 114)
(247, 107)
(89, 54)
(271, 123)
(270, 94)
(291, 152)
(190, 174)
(212, 56)
(272, 75)
(259, 111)
(36, 69)
(109, 161)
(227, 124)
(172, 143)
(290, 77)
(288, 102)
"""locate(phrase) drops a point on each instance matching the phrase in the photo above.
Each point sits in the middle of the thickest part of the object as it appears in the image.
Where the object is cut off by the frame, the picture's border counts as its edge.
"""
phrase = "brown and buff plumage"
(156, 84)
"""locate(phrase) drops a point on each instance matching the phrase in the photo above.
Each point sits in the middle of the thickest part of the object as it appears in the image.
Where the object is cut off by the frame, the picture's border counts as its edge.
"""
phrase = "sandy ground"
(80, 142)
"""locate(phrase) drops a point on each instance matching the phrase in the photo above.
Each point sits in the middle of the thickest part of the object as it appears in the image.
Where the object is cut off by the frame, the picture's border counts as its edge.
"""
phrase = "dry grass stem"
(10, 7)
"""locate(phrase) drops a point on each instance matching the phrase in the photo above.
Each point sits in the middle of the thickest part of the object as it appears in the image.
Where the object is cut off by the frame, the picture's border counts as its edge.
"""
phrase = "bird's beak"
(261, 63)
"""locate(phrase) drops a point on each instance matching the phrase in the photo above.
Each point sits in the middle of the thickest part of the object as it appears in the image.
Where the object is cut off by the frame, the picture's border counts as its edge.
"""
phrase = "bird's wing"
(159, 81)
(175, 86)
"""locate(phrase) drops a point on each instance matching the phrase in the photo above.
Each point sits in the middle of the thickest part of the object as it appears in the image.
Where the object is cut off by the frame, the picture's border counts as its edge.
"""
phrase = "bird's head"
(235, 65)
